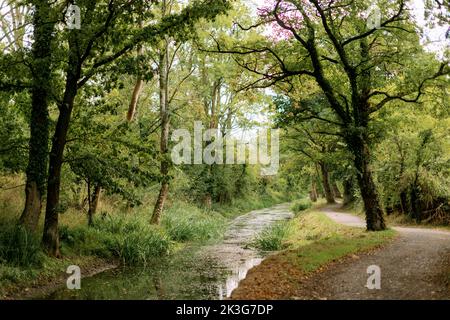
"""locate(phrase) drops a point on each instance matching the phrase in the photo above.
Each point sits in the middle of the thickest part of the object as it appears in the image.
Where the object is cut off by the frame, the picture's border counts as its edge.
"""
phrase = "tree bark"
(93, 203)
(33, 205)
(373, 208)
(313, 192)
(51, 236)
(39, 122)
(137, 88)
(159, 206)
(165, 127)
(134, 99)
(326, 183)
(336, 192)
(349, 196)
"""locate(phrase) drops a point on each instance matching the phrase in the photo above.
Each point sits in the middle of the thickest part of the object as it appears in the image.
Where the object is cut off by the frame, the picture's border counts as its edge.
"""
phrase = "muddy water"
(206, 272)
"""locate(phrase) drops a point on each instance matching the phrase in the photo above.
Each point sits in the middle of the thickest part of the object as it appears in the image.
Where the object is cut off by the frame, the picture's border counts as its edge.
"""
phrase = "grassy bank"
(308, 243)
(118, 236)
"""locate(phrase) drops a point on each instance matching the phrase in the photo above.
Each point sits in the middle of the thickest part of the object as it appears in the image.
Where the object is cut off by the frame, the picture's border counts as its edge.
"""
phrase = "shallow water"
(197, 273)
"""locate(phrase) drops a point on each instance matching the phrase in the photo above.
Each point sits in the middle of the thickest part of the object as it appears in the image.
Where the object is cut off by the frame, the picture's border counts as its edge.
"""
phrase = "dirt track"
(414, 266)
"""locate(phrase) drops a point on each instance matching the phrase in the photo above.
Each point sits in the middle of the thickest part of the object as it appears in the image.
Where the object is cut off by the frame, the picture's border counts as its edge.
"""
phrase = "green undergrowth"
(124, 237)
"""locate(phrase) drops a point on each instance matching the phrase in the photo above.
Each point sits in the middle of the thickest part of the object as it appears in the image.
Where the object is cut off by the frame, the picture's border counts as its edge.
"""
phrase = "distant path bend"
(414, 266)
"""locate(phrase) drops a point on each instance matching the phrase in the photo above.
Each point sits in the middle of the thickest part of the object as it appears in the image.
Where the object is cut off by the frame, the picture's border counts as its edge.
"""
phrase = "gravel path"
(414, 266)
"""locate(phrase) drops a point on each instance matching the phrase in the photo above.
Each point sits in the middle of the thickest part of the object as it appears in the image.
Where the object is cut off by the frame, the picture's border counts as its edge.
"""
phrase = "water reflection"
(238, 274)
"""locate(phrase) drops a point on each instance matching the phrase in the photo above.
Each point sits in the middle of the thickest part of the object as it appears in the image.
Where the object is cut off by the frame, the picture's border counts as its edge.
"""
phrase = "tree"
(111, 157)
(412, 160)
(110, 31)
(312, 138)
(43, 26)
(355, 65)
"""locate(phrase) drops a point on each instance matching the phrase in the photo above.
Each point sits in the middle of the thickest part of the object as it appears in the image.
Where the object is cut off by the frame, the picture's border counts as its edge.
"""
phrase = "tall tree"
(109, 32)
(354, 63)
(164, 113)
(43, 26)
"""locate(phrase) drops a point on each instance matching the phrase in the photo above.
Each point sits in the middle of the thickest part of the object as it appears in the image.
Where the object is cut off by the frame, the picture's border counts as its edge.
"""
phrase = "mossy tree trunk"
(39, 122)
(313, 193)
(349, 192)
(51, 236)
(93, 199)
(326, 183)
(165, 127)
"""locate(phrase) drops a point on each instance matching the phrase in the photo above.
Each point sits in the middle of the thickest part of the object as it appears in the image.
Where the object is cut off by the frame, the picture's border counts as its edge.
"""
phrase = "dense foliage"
(87, 116)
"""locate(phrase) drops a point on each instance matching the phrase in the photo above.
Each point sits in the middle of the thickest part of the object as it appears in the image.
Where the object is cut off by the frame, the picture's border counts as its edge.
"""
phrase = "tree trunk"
(373, 208)
(415, 203)
(33, 204)
(336, 192)
(326, 183)
(165, 127)
(404, 202)
(159, 206)
(39, 122)
(51, 237)
(313, 192)
(349, 196)
(134, 99)
(93, 203)
(137, 88)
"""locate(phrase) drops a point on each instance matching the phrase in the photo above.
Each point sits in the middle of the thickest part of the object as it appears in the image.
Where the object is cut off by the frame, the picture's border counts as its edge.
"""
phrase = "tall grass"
(131, 239)
(252, 202)
(18, 247)
(301, 205)
(186, 223)
(272, 238)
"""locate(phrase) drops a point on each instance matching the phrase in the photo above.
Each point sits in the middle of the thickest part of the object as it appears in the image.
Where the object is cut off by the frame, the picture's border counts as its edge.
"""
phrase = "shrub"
(10, 274)
(272, 238)
(301, 205)
(18, 247)
(186, 223)
(131, 239)
(137, 248)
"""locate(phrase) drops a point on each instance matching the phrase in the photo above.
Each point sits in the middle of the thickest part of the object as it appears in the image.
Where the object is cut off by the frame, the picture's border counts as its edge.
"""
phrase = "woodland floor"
(416, 265)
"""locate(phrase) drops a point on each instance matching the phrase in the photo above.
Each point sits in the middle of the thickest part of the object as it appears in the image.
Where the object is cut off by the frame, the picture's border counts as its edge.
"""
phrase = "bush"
(186, 223)
(132, 240)
(18, 247)
(272, 238)
(137, 248)
(301, 205)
